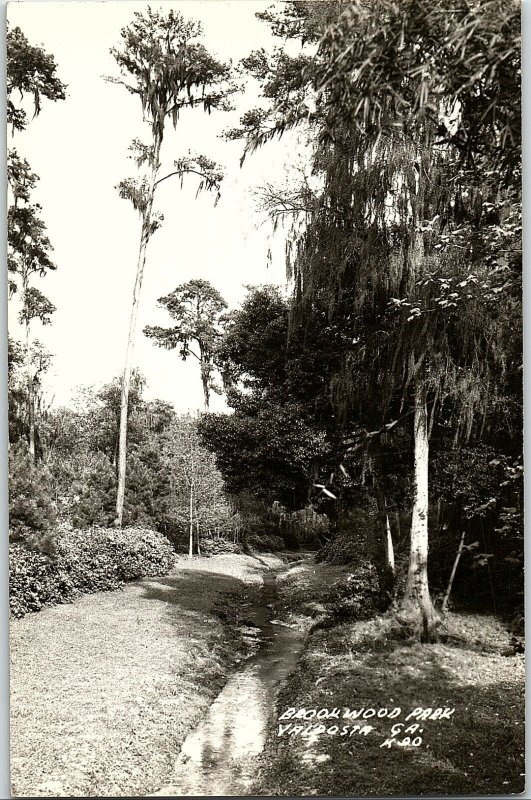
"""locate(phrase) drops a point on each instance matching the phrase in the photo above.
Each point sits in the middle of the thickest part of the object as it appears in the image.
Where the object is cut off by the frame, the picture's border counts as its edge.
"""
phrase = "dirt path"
(105, 691)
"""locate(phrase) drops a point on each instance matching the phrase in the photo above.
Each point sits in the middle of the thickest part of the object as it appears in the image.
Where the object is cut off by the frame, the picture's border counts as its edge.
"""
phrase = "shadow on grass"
(195, 597)
(478, 751)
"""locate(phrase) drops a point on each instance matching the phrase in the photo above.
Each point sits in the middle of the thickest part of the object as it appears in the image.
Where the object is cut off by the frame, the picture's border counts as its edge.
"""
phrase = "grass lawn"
(369, 664)
(104, 691)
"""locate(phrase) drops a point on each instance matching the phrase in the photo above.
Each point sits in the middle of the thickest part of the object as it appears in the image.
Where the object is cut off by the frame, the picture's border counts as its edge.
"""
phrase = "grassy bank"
(104, 691)
(370, 664)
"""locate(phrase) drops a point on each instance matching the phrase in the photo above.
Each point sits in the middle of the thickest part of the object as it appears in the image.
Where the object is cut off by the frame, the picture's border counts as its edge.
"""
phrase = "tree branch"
(181, 172)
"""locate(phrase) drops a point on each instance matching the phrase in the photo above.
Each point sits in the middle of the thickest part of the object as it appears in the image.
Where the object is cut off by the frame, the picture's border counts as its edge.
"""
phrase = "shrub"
(343, 548)
(354, 539)
(34, 581)
(215, 547)
(358, 597)
(82, 562)
(267, 542)
(31, 510)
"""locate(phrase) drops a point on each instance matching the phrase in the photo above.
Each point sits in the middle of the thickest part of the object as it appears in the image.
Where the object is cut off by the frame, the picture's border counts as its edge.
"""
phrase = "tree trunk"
(417, 594)
(386, 556)
(191, 538)
(389, 549)
(454, 570)
(205, 375)
(31, 398)
(206, 390)
(126, 379)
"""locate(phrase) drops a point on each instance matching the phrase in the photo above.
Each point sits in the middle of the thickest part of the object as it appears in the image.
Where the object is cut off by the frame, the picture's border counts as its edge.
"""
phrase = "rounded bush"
(83, 562)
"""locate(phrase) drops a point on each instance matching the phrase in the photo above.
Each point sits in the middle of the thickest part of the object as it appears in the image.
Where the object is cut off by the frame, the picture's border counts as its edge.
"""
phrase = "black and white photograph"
(265, 398)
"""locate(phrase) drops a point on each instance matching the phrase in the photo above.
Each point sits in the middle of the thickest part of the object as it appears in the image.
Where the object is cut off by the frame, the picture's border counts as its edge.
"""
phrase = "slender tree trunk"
(389, 550)
(398, 526)
(454, 570)
(198, 541)
(29, 378)
(386, 556)
(126, 379)
(206, 390)
(205, 375)
(191, 536)
(417, 592)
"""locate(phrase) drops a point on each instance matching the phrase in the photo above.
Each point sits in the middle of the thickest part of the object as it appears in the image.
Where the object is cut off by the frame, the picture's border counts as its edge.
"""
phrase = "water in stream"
(220, 756)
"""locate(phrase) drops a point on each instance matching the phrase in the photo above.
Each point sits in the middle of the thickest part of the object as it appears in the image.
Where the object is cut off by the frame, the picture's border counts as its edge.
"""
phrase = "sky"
(79, 149)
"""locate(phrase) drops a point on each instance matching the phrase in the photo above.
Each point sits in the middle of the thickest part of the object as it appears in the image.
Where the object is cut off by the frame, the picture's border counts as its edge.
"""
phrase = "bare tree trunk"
(454, 570)
(197, 534)
(29, 377)
(398, 526)
(206, 390)
(205, 376)
(389, 550)
(386, 557)
(417, 592)
(126, 379)
(191, 538)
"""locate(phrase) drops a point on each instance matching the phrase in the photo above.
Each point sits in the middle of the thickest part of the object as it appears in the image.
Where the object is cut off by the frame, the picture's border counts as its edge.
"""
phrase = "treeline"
(173, 486)
(285, 442)
(376, 410)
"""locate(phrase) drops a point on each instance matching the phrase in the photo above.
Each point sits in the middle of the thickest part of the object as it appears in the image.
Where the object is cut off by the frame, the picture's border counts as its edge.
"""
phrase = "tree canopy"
(196, 307)
(30, 71)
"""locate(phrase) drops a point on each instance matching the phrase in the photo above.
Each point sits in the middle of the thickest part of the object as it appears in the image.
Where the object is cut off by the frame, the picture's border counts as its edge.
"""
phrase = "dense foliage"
(74, 480)
(82, 562)
(405, 250)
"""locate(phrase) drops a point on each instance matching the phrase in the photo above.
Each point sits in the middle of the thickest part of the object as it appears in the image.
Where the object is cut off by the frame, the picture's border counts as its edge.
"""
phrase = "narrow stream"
(220, 756)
